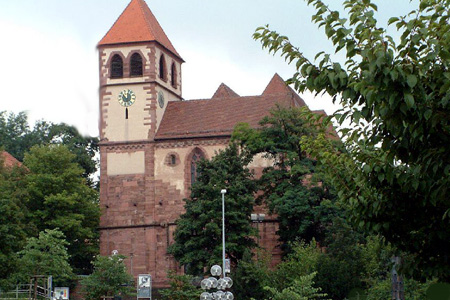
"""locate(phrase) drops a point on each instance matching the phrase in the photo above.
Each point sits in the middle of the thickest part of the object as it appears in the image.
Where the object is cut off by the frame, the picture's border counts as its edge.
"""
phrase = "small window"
(136, 65)
(173, 77)
(173, 159)
(162, 67)
(116, 67)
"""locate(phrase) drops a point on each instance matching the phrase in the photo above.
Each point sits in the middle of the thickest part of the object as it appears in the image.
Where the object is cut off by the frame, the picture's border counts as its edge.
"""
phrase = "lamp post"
(222, 283)
(219, 285)
(223, 192)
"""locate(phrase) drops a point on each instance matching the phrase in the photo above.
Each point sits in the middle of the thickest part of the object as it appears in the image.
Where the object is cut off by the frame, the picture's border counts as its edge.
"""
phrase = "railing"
(27, 291)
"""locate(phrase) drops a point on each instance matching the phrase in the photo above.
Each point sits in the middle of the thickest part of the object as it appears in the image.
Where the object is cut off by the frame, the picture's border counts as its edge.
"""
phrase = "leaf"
(392, 20)
(409, 99)
(411, 80)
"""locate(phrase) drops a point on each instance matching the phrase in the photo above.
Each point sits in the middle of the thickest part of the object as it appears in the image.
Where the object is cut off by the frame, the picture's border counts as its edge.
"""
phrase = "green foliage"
(17, 138)
(12, 220)
(291, 187)
(252, 273)
(59, 197)
(109, 278)
(383, 289)
(396, 98)
(340, 268)
(45, 255)
(301, 289)
(301, 261)
(181, 288)
(198, 239)
(292, 277)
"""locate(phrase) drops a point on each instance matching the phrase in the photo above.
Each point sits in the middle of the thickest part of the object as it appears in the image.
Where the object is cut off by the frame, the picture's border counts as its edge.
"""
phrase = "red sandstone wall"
(138, 215)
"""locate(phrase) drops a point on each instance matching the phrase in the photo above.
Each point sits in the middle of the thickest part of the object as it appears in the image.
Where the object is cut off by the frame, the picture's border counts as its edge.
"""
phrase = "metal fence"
(27, 291)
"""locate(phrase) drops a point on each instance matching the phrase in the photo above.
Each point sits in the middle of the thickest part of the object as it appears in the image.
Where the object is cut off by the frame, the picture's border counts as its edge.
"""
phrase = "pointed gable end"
(9, 161)
(278, 86)
(223, 91)
(137, 24)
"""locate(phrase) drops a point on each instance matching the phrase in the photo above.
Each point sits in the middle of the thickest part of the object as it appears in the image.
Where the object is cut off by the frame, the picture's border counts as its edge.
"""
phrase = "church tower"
(140, 72)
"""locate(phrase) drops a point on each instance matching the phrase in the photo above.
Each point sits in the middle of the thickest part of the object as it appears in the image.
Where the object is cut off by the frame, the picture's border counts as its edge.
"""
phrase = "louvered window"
(136, 65)
(116, 67)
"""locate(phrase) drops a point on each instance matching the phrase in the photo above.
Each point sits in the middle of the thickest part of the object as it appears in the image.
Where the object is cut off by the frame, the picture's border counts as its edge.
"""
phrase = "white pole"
(223, 230)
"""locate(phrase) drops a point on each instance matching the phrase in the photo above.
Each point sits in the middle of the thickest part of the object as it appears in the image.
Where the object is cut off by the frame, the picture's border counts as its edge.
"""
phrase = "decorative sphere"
(206, 284)
(213, 281)
(206, 296)
(229, 296)
(221, 284)
(229, 282)
(216, 270)
(219, 295)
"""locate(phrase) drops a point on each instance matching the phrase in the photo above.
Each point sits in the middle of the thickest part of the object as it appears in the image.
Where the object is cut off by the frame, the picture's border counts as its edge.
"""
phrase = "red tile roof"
(224, 92)
(207, 118)
(137, 24)
(278, 86)
(9, 160)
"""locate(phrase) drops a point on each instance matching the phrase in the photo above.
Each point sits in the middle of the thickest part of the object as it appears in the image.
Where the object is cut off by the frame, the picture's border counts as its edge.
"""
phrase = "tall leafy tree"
(13, 228)
(291, 187)
(395, 179)
(59, 197)
(198, 236)
(110, 278)
(45, 255)
(17, 138)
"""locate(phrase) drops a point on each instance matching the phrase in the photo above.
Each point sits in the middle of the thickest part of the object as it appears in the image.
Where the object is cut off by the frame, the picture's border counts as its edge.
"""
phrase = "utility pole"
(397, 290)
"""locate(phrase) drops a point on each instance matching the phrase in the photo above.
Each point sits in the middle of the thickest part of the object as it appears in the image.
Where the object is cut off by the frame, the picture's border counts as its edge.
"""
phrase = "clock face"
(161, 99)
(126, 97)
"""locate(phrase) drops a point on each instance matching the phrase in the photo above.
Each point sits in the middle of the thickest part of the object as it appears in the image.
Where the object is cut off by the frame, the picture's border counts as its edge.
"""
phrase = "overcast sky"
(49, 62)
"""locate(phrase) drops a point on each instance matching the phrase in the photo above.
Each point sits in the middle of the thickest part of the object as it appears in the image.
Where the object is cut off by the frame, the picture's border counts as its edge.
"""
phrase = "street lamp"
(223, 192)
(220, 285)
(223, 283)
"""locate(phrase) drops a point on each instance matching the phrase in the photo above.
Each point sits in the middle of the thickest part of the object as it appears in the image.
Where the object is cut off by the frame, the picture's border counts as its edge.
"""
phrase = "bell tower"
(140, 72)
(137, 57)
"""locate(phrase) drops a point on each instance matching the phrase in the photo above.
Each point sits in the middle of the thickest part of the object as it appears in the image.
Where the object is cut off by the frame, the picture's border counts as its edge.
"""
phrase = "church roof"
(137, 24)
(223, 91)
(9, 160)
(207, 118)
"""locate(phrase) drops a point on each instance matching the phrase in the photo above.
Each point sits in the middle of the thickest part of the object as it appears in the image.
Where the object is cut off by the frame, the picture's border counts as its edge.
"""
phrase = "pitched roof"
(9, 160)
(223, 91)
(137, 24)
(278, 86)
(207, 118)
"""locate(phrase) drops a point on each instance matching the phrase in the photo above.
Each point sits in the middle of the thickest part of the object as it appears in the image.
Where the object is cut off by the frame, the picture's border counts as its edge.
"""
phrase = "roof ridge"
(137, 23)
(117, 19)
(147, 24)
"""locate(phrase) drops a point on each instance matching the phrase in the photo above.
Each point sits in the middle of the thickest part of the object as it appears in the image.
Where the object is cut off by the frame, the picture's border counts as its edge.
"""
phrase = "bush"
(181, 288)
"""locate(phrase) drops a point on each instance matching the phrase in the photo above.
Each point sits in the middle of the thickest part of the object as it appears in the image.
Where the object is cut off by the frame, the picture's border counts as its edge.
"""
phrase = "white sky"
(49, 61)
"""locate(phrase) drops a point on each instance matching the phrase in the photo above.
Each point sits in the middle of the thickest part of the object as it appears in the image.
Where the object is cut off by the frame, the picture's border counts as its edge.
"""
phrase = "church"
(151, 139)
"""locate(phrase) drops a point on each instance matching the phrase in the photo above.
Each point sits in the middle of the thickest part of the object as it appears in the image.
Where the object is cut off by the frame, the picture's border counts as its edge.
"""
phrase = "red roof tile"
(137, 24)
(9, 160)
(278, 86)
(206, 118)
(223, 91)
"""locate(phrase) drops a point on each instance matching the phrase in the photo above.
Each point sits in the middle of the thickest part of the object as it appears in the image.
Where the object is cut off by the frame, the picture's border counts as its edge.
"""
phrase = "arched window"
(136, 65)
(116, 67)
(173, 159)
(162, 67)
(196, 157)
(173, 77)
